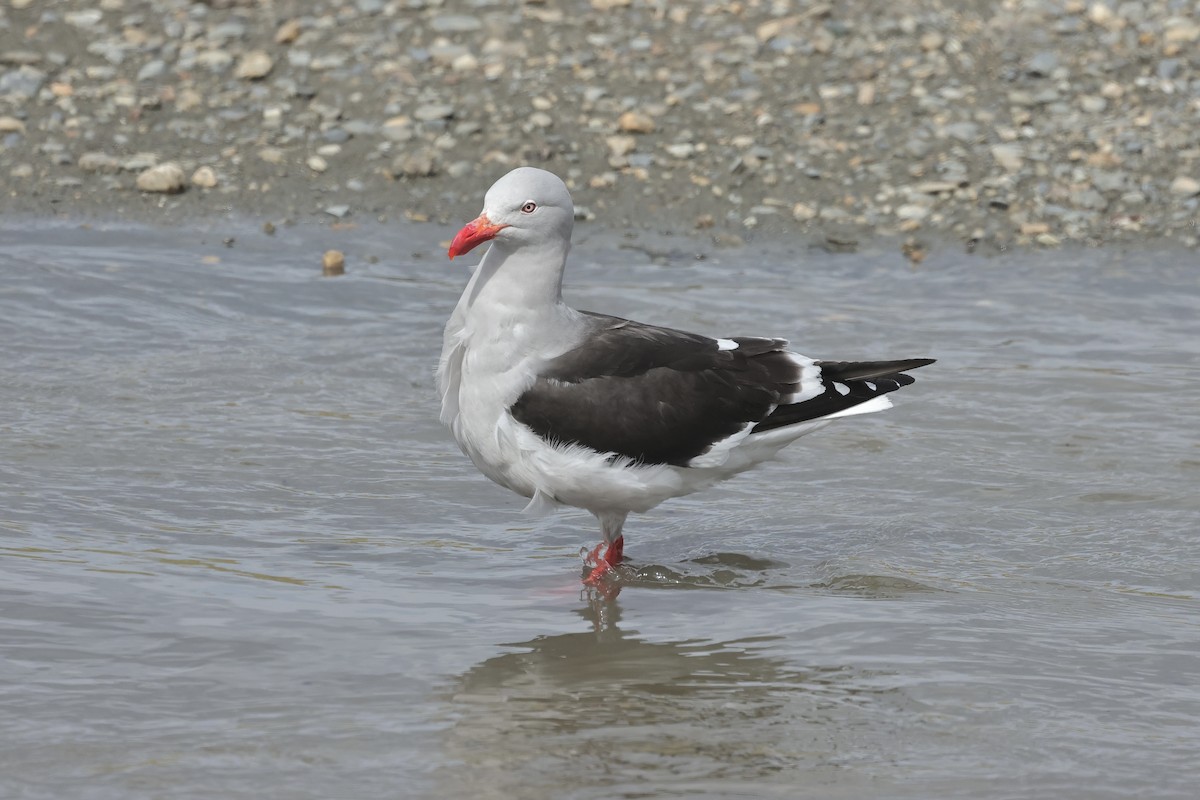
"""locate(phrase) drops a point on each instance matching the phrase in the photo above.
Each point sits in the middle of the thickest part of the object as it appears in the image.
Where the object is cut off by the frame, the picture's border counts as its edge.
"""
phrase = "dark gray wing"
(662, 396)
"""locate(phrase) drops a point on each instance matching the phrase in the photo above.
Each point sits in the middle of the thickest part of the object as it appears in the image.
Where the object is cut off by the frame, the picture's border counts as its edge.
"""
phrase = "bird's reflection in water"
(606, 713)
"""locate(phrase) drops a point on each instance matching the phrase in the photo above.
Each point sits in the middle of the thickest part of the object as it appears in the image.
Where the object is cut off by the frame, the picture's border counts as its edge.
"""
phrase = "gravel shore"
(976, 123)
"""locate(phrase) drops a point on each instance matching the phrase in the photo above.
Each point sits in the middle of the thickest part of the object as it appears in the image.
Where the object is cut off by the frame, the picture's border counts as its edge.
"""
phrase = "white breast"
(491, 354)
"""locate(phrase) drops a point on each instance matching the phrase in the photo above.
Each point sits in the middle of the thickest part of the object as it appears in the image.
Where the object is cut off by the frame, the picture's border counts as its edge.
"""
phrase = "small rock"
(1090, 198)
(253, 66)
(1042, 64)
(834, 214)
(165, 178)
(288, 32)
(932, 41)
(1009, 156)
(1093, 104)
(187, 99)
(204, 177)
(1167, 69)
(803, 212)
(338, 211)
(465, 63)
(99, 162)
(11, 125)
(935, 187)
(681, 150)
(604, 180)
(635, 122)
(912, 211)
(418, 164)
(20, 57)
(1107, 181)
(621, 145)
(333, 263)
(434, 111)
(397, 129)
(139, 162)
(963, 131)
(455, 23)
(840, 238)
(214, 60)
(1181, 31)
(22, 82)
(152, 69)
(444, 54)
(317, 164)
(271, 155)
(84, 19)
(22, 171)
(1100, 14)
(1185, 186)
(226, 30)
(914, 251)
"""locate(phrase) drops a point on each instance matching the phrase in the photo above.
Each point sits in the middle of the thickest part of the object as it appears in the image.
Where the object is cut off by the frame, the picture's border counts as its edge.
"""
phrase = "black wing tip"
(869, 370)
(847, 384)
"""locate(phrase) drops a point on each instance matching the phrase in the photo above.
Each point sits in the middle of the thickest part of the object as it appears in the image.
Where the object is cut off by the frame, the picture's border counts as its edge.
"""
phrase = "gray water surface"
(240, 558)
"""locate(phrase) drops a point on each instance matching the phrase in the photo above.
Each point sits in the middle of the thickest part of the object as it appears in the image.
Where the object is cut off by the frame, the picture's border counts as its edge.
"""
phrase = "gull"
(576, 408)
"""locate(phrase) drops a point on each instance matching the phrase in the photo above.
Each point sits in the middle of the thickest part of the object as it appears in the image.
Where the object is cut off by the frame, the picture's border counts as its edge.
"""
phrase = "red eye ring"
(529, 207)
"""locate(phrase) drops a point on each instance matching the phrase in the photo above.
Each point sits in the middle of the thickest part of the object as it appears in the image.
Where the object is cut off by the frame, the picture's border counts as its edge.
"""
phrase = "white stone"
(165, 178)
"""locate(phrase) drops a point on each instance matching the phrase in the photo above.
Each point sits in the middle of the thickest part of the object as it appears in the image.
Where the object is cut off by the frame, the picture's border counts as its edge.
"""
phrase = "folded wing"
(662, 396)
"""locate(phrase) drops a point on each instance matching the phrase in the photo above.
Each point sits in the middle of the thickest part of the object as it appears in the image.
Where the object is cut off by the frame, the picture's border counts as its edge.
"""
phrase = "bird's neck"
(526, 278)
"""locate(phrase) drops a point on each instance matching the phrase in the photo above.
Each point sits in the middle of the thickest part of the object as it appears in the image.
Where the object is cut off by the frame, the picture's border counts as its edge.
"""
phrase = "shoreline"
(982, 126)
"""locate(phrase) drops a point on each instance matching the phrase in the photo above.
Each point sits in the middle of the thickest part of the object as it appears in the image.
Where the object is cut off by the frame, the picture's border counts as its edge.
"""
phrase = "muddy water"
(240, 558)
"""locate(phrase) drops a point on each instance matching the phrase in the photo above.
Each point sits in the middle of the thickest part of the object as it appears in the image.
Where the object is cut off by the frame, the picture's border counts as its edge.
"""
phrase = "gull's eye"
(529, 207)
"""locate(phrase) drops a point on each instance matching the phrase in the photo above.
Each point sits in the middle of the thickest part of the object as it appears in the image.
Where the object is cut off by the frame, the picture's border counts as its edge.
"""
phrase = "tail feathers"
(850, 388)
(866, 370)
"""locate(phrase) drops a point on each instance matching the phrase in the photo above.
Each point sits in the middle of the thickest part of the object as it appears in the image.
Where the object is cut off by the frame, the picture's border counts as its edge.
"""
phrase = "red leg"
(615, 551)
(613, 546)
(613, 555)
(593, 556)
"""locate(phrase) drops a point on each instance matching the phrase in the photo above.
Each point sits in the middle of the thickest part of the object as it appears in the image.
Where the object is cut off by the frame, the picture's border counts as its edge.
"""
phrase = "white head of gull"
(606, 414)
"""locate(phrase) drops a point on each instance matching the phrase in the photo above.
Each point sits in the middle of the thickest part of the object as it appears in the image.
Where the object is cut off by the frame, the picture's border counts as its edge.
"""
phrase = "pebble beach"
(981, 125)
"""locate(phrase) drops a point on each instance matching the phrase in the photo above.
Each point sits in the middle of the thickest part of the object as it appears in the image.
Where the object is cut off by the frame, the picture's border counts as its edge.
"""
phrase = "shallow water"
(241, 559)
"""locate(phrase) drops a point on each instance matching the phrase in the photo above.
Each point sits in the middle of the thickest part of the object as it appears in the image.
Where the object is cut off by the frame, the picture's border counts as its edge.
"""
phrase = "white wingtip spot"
(842, 388)
(726, 344)
(870, 385)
